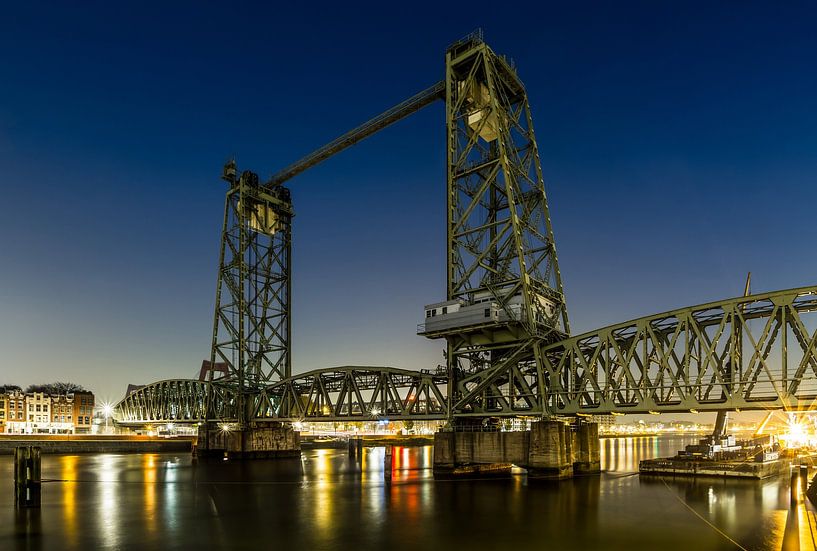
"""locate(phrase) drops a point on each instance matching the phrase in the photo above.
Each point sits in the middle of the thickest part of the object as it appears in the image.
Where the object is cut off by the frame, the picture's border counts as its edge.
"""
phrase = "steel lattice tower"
(251, 326)
(500, 247)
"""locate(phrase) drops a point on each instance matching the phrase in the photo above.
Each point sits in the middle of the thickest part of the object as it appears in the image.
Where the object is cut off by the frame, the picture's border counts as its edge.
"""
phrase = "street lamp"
(107, 412)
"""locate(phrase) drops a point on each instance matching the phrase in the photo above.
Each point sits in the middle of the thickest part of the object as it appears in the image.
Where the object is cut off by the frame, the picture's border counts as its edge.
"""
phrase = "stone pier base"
(261, 440)
(586, 459)
(478, 453)
(550, 450)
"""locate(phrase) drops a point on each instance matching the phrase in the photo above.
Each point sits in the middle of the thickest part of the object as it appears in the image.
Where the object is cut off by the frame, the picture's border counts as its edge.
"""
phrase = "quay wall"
(51, 444)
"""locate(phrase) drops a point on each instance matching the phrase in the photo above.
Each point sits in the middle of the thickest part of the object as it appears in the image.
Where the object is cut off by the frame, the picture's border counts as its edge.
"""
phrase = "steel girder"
(350, 393)
(753, 352)
(356, 393)
(177, 401)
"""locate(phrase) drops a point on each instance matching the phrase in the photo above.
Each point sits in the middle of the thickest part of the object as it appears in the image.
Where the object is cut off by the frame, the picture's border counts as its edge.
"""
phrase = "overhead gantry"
(504, 315)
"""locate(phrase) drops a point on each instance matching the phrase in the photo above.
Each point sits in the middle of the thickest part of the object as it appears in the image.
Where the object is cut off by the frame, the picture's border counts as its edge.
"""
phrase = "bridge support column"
(462, 454)
(586, 458)
(257, 440)
(550, 451)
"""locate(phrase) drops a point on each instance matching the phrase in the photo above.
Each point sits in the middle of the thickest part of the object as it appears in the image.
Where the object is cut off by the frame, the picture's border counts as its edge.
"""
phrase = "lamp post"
(107, 411)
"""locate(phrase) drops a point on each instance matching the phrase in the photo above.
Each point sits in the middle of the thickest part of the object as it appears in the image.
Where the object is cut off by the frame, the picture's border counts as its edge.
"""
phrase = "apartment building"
(42, 413)
(83, 411)
(62, 413)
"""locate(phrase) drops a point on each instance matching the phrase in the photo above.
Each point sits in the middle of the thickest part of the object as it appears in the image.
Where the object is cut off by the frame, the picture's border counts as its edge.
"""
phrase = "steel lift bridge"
(504, 317)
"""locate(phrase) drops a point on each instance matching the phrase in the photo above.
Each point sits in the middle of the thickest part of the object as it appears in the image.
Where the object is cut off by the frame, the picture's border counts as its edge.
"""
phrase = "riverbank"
(93, 443)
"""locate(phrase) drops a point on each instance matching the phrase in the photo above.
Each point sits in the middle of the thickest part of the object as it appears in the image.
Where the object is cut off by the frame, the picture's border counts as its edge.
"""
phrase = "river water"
(327, 501)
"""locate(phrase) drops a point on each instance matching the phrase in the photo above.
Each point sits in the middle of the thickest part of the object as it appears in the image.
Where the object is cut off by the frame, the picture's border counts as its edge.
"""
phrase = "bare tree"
(57, 388)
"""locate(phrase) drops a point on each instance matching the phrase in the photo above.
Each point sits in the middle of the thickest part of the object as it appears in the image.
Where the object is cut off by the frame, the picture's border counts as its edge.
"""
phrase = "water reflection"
(149, 473)
(320, 477)
(68, 475)
(329, 500)
(108, 509)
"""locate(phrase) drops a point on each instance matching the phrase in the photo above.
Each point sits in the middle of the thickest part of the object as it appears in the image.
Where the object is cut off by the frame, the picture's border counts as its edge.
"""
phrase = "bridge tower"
(251, 325)
(504, 292)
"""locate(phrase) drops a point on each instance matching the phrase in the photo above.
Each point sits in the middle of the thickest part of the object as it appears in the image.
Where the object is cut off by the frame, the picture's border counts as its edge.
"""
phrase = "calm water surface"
(327, 501)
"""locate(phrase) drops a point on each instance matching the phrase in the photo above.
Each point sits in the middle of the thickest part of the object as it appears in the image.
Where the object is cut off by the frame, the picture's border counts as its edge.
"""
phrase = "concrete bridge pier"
(586, 448)
(550, 454)
(261, 440)
(551, 450)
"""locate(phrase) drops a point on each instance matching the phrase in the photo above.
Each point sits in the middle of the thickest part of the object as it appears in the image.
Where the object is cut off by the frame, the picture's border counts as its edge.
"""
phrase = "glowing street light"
(106, 408)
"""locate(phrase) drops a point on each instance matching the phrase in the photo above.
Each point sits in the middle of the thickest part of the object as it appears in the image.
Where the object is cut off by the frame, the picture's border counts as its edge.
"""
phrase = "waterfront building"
(83, 411)
(15, 408)
(38, 412)
(42, 413)
(62, 413)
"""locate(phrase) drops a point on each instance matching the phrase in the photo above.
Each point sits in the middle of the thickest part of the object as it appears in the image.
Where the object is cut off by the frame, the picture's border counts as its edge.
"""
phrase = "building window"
(487, 312)
(428, 313)
(445, 309)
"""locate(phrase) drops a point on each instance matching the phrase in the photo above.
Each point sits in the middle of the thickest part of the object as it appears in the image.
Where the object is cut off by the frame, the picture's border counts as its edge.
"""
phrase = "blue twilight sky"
(678, 142)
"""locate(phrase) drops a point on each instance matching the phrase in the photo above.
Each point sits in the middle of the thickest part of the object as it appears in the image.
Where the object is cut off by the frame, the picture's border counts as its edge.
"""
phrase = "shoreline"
(96, 443)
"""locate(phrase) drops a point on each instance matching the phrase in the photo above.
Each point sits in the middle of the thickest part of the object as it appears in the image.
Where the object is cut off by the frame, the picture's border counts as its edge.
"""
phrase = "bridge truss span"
(753, 352)
(349, 393)
(356, 393)
(173, 400)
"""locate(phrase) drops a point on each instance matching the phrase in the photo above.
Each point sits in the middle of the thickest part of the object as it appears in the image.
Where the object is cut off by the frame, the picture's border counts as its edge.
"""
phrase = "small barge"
(756, 458)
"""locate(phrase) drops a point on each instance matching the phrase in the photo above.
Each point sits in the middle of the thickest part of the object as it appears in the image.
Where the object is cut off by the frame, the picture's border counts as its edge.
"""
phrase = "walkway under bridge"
(757, 352)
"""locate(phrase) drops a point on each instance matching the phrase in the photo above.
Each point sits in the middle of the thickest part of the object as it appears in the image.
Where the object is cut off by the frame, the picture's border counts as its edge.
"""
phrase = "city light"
(797, 433)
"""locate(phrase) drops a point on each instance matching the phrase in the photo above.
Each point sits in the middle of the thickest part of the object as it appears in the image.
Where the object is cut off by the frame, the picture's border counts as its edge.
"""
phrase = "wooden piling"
(27, 476)
(388, 463)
